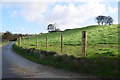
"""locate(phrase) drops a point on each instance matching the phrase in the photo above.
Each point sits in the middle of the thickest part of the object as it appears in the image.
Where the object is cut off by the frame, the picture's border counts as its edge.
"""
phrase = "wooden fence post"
(20, 40)
(36, 41)
(46, 42)
(61, 42)
(84, 43)
(28, 41)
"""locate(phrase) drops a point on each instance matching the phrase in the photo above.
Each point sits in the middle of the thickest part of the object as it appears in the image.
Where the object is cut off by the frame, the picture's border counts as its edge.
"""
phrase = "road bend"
(16, 66)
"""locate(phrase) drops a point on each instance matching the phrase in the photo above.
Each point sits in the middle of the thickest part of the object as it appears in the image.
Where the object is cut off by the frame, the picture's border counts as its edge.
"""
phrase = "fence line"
(61, 43)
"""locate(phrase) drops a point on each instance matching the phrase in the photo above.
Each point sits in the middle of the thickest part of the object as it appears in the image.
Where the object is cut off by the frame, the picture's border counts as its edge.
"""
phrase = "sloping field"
(100, 39)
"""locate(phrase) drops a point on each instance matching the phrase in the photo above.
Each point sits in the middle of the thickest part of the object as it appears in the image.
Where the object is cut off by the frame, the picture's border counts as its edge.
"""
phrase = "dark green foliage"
(7, 36)
(104, 19)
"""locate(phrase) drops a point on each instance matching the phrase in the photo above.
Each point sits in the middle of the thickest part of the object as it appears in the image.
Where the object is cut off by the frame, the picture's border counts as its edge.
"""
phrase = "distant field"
(101, 39)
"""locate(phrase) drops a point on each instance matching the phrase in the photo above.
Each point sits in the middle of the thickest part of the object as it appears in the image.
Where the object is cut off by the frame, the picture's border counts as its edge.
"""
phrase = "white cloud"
(71, 15)
(34, 11)
(67, 16)
(112, 10)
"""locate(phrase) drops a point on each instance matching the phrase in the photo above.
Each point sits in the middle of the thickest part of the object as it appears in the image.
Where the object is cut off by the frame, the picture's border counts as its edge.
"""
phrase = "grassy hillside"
(100, 39)
(97, 34)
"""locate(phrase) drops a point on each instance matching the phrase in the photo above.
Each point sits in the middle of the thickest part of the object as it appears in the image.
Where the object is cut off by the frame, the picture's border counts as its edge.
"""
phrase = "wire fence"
(59, 45)
(63, 46)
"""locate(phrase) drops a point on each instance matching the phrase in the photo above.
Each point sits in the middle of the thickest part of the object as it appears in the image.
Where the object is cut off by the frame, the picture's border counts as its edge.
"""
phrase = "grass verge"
(101, 66)
(3, 43)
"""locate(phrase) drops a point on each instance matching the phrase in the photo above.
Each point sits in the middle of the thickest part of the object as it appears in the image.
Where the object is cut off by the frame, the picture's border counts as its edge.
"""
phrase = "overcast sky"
(33, 17)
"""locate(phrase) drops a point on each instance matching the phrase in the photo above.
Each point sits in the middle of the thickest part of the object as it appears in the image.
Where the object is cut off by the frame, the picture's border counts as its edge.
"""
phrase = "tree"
(100, 19)
(104, 19)
(109, 20)
(51, 27)
(7, 36)
(57, 30)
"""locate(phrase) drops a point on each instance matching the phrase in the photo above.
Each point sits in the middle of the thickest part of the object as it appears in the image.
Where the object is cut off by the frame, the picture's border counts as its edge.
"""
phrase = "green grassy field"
(101, 39)
(102, 50)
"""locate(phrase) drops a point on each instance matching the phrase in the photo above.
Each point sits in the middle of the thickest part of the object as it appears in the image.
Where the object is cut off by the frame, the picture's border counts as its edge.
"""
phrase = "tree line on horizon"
(8, 36)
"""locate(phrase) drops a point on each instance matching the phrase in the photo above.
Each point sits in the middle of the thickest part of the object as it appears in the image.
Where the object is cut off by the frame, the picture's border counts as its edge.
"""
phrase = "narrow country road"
(15, 66)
